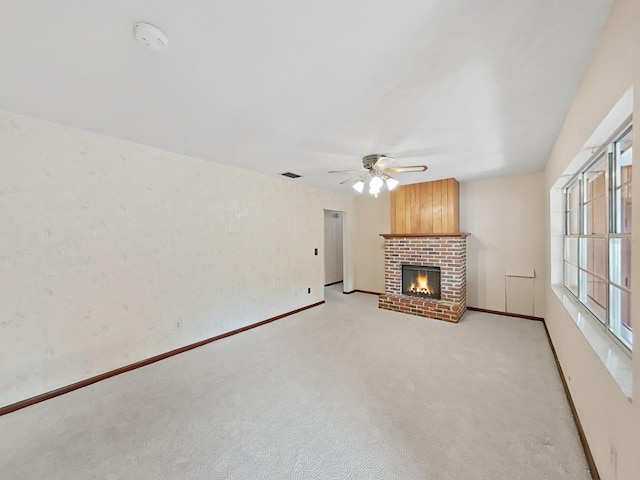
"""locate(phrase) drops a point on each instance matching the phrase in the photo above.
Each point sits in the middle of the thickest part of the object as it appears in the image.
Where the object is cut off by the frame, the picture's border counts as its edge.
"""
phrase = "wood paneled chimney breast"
(430, 207)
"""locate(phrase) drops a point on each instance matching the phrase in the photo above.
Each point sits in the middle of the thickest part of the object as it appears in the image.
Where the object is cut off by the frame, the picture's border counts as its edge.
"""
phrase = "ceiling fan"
(376, 173)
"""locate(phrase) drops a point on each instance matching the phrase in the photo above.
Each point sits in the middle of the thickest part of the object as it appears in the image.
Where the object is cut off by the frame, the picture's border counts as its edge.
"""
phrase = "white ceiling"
(471, 88)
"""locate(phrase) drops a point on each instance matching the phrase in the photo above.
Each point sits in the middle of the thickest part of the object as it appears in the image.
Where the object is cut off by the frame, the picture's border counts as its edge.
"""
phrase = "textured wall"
(106, 245)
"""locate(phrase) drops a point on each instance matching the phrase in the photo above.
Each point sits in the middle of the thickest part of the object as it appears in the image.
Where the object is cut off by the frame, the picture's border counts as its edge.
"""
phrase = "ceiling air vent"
(290, 175)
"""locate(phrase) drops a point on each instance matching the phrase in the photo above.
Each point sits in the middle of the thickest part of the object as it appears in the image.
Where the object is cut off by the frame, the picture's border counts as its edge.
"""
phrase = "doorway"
(333, 248)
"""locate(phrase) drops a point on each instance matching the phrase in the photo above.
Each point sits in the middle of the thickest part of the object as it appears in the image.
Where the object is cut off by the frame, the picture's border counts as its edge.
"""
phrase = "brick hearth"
(447, 251)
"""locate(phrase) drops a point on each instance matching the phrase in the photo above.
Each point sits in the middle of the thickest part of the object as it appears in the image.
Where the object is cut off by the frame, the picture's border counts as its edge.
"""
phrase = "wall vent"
(290, 175)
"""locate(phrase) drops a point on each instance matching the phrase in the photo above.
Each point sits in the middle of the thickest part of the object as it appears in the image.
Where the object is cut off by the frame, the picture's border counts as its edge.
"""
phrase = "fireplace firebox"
(421, 281)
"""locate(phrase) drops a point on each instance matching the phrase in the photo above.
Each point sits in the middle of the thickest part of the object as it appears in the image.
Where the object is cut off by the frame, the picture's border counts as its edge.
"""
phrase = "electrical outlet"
(177, 324)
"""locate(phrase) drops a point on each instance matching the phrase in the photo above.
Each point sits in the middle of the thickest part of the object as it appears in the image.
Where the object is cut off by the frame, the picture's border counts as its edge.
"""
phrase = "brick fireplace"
(446, 251)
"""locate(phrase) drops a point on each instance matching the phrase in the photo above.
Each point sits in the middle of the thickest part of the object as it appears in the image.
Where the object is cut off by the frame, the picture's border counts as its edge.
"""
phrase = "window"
(597, 240)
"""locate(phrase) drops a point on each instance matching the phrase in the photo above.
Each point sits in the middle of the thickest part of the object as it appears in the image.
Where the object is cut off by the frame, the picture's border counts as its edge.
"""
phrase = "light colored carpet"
(341, 391)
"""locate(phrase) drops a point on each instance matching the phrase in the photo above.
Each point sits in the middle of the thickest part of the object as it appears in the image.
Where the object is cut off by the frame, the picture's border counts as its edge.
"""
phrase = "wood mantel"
(415, 235)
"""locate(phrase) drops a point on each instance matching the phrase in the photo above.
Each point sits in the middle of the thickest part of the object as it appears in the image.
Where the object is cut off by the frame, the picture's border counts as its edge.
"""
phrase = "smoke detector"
(151, 37)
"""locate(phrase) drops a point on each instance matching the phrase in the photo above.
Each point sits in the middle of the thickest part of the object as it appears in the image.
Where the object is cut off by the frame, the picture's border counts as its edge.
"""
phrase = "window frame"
(607, 154)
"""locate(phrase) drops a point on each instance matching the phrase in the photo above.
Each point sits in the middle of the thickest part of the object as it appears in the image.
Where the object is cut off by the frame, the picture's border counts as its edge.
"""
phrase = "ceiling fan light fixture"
(392, 183)
(358, 186)
(375, 184)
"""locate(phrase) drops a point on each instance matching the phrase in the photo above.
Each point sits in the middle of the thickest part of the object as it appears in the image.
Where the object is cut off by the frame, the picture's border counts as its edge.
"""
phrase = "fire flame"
(422, 285)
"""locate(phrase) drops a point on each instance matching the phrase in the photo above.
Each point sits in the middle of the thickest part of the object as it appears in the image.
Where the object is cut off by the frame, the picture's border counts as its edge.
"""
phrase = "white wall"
(374, 218)
(608, 417)
(506, 221)
(106, 244)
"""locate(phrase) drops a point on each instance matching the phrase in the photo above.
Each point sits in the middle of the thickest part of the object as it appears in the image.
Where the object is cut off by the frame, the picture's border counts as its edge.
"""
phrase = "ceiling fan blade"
(382, 163)
(413, 168)
(351, 180)
(347, 171)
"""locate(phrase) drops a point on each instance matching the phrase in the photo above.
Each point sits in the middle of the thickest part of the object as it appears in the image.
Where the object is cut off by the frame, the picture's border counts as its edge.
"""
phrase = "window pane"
(620, 261)
(571, 278)
(594, 178)
(620, 315)
(623, 209)
(573, 208)
(596, 217)
(573, 223)
(571, 250)
(624, 153)
(573, 197)
(593, 293)
(594, 255)
(625, 175)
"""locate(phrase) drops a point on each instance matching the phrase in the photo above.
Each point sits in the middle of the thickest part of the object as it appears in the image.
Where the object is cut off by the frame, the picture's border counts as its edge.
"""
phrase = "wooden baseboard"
(334, 283)
(583, 438)
(361, 291)
(127, 368)
(507, 314)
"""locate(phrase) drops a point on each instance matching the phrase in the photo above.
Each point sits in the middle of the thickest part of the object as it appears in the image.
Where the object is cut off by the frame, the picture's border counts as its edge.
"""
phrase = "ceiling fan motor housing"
(369, 161)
